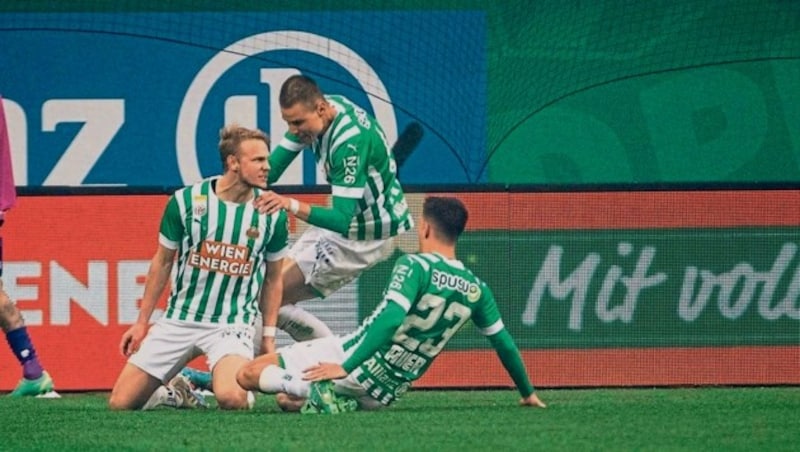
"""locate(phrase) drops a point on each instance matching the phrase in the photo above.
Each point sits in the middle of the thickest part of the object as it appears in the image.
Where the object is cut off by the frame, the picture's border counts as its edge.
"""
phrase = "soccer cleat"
(39, 386)
(323, 400)
(189, 398)
(198, 378)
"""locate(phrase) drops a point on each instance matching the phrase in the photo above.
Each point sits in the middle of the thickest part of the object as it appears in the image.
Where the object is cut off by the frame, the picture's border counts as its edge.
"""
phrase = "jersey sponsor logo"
(350, 168)
(473, 293)
(443, 280)
(363, 118)
(233, 260)
(401, 272)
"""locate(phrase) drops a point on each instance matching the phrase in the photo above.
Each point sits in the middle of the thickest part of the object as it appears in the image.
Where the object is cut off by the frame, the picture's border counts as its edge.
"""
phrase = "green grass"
(747, 419)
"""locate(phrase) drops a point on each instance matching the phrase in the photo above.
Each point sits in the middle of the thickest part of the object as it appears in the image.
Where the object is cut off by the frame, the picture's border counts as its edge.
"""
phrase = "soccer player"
(229, 258)
(367, 211)
(35, 380)
(430, 295)
(368, 205)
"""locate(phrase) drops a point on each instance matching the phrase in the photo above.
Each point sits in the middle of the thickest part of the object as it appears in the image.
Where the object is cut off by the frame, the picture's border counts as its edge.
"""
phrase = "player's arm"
(272, 289)
(157, 279)
(383, 322)
(387, 318)
(158, 276)
(336, 218)
(348, 175)
(282, 156)
(487, 319)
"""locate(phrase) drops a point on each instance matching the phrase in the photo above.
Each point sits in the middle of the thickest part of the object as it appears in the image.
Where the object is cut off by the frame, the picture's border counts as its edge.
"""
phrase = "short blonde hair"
(231, 136)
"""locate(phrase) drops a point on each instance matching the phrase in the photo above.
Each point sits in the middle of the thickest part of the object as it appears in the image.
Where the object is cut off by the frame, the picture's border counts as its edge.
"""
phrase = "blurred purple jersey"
(8, 193)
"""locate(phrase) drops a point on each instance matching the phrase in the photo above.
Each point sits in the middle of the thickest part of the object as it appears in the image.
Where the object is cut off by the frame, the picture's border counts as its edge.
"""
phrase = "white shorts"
(301, 355)
(329, 261)
(171, 344)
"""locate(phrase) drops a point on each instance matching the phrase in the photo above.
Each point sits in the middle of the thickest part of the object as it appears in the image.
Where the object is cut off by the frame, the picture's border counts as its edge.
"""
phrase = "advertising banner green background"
(633, 288)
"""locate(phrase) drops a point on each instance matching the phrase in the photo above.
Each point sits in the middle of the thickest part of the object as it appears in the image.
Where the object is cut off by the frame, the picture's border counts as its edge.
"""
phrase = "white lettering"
(92, 297)
(102, 119)
(549, 279)
(746, 279)
(634, 284)
(130, 288)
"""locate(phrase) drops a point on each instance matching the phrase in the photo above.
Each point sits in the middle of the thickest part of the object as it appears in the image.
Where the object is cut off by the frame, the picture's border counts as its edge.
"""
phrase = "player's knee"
(117, 403)
(248, 376)
(232, 400)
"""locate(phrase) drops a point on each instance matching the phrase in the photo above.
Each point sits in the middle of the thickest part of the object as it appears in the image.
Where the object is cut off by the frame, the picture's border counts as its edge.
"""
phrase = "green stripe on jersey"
(439, 295)
(221, 257)
(355, 156)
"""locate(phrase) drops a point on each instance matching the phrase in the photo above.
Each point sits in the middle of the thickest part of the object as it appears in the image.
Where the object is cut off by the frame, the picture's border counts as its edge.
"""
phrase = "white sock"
(165, 396)
(274, 379)
(301, 324)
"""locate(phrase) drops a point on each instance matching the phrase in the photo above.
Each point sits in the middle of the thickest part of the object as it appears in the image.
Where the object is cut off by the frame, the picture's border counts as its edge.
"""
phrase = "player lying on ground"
(430, 296)
(227, 254)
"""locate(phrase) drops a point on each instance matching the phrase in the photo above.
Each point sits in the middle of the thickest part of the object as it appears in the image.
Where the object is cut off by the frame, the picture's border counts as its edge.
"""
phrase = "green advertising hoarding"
(634, 288)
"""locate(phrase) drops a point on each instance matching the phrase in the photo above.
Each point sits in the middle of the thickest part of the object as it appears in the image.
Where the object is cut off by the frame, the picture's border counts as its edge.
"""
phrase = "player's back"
(438, 296)
(356, 158)
(442, 295)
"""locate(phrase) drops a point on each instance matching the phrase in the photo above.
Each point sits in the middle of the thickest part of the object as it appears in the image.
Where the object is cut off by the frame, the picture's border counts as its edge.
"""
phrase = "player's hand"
(269, 202)
(532, 400)
(268, 345)
(132, 339)
(324, 371)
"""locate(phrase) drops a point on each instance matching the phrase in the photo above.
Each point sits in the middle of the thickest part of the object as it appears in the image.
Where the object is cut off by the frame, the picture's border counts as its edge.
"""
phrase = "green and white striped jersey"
(438, 296)
(222, 249)
(358, 163)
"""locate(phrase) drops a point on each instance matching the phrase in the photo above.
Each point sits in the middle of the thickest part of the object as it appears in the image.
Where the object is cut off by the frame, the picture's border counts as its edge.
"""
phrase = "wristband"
(270, 331)
(294, 206)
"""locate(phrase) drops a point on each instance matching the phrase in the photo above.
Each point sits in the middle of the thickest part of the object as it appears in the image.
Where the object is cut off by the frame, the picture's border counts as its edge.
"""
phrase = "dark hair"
(230, 137)
(448, 216)
(299, 88)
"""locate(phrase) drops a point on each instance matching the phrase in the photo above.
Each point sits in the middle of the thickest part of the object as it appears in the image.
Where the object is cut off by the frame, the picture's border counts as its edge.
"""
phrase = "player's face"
(305, 122)
(253, 164)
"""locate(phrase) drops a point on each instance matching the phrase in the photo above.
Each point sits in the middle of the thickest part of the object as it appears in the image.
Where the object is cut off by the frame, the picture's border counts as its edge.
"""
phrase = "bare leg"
(294, 320)
(230, 396)
(132, 389)
(249, 374)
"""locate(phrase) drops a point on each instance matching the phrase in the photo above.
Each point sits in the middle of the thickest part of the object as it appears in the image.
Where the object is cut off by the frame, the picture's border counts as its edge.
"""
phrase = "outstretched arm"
(509, 355)
(279, 159)
(336, 218)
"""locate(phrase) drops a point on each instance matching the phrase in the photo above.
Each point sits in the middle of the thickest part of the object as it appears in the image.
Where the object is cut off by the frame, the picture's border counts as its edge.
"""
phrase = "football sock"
(273, 379)
(22, 347)
(300, 324)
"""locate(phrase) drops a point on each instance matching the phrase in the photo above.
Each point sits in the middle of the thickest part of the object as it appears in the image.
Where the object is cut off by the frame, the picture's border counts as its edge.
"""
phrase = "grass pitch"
(746, 419)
